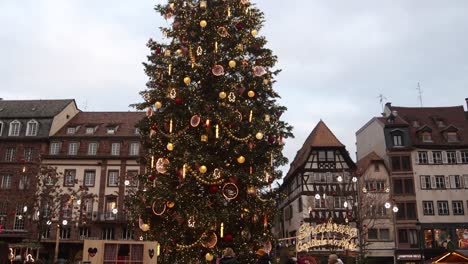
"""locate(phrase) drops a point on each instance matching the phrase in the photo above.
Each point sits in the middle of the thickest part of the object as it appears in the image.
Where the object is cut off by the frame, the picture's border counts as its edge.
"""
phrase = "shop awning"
(454, 257)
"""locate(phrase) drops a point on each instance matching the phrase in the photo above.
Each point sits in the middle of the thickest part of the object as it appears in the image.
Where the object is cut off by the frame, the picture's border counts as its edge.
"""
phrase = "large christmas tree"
(213, 135)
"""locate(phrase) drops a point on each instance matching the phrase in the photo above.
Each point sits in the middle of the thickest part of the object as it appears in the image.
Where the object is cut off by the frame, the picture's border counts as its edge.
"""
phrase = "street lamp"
(57, 238)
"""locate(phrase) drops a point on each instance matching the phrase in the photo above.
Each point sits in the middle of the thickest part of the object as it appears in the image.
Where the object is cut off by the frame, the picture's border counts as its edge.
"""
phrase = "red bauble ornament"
(270, 180)
(213, 188)
(228, 238)
(239, 26)
(152, 177)
(158, 51)
(178, 101)
(154, 127)
(241, 90)
(271, 140)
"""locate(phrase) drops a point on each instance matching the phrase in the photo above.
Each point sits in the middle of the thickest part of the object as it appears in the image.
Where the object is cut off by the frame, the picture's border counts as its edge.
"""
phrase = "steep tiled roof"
(321, 136)
(453, 118)
(366, 161)
(125, 121)
(32, 108)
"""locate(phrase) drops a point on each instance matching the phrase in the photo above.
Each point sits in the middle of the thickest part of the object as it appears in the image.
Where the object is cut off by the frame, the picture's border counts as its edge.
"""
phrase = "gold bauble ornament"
(222, 95)
(203, 23)
(145, 227)
(241, 159)
(259, 135)
(202, 169)
(187, 80)
(170, 204)
(170, 146)
(179, 51)
(254, 32)
(209, 257)
(158, 105)
(232, 63)
(251, 94)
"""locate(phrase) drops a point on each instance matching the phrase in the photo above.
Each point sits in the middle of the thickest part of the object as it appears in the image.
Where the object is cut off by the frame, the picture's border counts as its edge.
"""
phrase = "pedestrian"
(263, 257)
(333, 259)
(228, 257)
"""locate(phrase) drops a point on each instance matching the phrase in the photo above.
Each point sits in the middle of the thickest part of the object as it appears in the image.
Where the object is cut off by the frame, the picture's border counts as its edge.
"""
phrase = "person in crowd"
(263, 257)
(228, 257)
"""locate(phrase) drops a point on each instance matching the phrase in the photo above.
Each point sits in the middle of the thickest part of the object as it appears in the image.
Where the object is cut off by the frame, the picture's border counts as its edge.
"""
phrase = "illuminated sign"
(328, 234)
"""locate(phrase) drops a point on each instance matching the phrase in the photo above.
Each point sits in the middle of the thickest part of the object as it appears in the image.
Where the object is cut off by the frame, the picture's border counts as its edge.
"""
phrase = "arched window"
(14, 128)
(31, 128)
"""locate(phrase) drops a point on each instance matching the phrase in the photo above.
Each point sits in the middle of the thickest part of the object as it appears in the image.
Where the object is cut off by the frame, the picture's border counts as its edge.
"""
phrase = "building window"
(45, 233)
(115, 149)
(67, 210)
(442, 207)
(69, 178)
(71, 130)
(464, 156)
(113, 178)
(397, 140)
(137, 131)
(89, 178)
(299, 204)
(455, 182)
(108, 233)
(1, 128)
(84, 232)
(408, 236)
(24, 182)
(65, 232)
(89, 130)
(422, 157)
(14, 128)
(54, 148)
(320, 203)
(6, 182)
(127, 233)
(465, 180)
(132, 177)
(437, 157)
(111, 130)
(73, 148)
(452, 137)
(134, 149)
(31, 128)
(92, 148)
(401, 163)
(378, 234)
(425, 182)
(19, 218)
(3, 213)
(428, 207)
(403, 186)
(427, 137)
(10, 154)
(406, 211)
(440, 181)
(29, 154)
(458, 208)
(451, 157)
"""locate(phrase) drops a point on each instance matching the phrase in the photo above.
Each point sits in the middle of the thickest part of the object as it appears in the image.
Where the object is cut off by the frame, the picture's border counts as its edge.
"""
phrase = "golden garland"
(200, 179)
(180, 247)
(230, 134)
(176, 135)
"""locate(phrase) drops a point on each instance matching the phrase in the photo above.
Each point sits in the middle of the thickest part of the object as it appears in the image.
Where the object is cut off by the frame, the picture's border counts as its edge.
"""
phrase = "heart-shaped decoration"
(151, 253)
(92, 252)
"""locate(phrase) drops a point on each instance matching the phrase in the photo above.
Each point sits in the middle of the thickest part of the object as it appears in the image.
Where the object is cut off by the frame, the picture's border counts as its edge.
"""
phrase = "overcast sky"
(336, 56)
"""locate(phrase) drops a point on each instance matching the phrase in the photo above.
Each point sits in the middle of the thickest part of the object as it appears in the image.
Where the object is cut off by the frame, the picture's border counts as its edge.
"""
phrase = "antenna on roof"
(382, 98)
(85, 105)
(420, 91)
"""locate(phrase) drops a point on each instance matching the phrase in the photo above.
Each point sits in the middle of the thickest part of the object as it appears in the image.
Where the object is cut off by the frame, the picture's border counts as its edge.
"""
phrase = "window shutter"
(430, 158)
(465, 179)
(415, 157)
(447, 182)
(433, 184)
(422, 182)
(444, 156)
(459, 159)
(452, 182)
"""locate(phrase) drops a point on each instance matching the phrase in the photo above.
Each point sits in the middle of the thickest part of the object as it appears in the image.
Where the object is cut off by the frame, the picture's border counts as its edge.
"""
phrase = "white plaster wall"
(61, 119)
(370, 139)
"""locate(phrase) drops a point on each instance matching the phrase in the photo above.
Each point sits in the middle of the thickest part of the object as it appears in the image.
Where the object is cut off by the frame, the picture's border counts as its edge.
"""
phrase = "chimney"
(466, 100)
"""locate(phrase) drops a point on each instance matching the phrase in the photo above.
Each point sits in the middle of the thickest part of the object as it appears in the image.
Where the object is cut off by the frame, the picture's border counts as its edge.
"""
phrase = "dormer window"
(397, 140)
(452, 137)
(426, 137)
(14, 128)
(31, 128)
(137, 131)
(71, 130)
(90, 130)
(111, 130)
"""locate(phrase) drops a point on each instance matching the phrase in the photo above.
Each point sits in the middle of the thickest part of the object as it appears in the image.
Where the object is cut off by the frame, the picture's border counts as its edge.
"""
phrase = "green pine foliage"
(213, 135)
